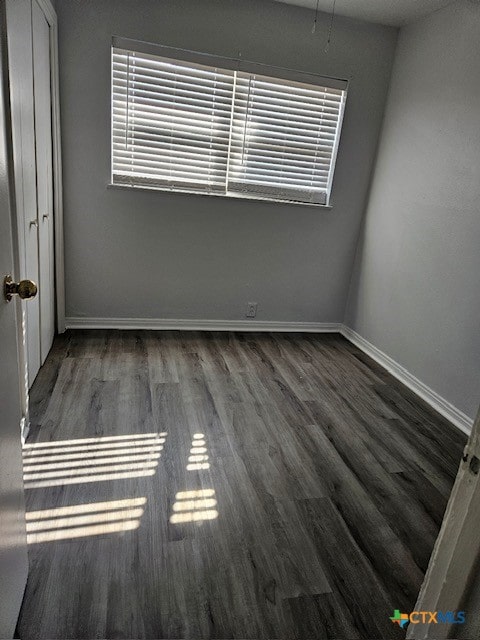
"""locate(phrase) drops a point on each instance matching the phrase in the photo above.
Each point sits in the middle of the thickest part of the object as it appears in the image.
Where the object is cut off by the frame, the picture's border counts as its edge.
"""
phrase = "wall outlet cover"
(251, 310)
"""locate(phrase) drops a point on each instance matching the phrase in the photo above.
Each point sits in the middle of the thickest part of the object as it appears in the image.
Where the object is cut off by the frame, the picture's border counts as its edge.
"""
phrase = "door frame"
(51, 17)
(452, 565)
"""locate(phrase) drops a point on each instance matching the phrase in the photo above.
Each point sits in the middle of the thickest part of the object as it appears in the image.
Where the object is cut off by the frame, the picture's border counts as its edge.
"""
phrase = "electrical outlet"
(251, 310)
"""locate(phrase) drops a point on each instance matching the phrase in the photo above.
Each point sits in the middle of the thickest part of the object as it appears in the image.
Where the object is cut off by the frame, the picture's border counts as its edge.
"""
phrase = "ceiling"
(390, 12)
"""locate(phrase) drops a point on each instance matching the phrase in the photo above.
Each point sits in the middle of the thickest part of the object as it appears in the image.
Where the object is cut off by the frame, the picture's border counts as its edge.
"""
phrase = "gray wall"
(415, 291)
(152, 254)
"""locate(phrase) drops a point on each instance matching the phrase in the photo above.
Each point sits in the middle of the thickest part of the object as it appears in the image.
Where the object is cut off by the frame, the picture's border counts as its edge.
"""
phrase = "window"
(187, 126)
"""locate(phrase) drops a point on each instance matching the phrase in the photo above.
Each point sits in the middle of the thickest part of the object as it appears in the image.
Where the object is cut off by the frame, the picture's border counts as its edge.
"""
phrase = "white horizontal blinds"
(284, 138)
(170, 122)
(184, 125)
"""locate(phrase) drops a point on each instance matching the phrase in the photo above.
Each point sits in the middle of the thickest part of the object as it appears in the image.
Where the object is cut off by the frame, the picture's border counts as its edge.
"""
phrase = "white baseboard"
(431, 397)
(24, 429)
(201, 325)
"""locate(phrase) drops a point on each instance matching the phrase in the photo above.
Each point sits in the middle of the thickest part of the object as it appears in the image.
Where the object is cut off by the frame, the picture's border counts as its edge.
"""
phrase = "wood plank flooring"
(227, 485)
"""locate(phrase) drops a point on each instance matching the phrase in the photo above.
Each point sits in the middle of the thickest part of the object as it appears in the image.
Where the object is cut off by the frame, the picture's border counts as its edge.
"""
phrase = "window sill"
(234, 196)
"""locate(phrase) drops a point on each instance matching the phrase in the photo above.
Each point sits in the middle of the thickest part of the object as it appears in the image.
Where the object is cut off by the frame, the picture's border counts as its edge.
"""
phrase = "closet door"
(44, 159)
(20, 62)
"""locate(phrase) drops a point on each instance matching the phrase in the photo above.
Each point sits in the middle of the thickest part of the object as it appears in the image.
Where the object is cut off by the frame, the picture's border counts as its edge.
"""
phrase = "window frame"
(230, 64)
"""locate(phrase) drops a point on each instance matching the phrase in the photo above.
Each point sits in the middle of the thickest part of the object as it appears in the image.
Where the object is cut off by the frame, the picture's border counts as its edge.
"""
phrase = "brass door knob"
(25, 289)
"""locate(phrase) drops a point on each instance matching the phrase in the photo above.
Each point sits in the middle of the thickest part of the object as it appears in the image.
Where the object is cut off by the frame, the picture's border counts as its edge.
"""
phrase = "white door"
(20, 61)
(44, 157)
(13, 548)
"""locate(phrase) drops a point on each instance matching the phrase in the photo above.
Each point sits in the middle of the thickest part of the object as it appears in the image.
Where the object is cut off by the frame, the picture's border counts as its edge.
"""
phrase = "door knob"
(25, 289)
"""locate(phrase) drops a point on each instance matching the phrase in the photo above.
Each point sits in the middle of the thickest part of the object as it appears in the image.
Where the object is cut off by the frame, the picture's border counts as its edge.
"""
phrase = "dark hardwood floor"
(227, 485)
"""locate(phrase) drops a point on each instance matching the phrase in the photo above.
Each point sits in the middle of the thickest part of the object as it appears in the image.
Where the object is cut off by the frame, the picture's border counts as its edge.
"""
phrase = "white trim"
(431, 397)
(48, 11)
(24, 429)
(51, 17)
(58, 188)
(201, 325)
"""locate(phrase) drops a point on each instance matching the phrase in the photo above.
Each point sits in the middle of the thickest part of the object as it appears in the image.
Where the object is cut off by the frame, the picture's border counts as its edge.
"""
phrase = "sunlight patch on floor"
(65, 462)
(198, 458)
(195, 505)
(82, 520)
